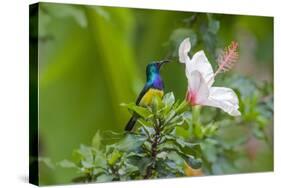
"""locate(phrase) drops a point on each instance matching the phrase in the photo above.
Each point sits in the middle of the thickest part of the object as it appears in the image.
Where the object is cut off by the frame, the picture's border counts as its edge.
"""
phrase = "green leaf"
(157, 104)
(181, 145)
(127, 170)
(114, 157)
(193, 163)
(104, 178)
(175, 157)
(169, 99)
(145, 123)
(85, 153)
(87, 164)
(143, 112)
(169, 116)
(141, 161)
(168, 146)
(187, 116)
(147, 130)
(99, 160)
(162, 155)
(98, 171)
(181, 132)
(181, 107)
(131, 142)
(198, 131)
(188, 152)
(147, 145)
(193, 149)
(96, 141)
(210, 129)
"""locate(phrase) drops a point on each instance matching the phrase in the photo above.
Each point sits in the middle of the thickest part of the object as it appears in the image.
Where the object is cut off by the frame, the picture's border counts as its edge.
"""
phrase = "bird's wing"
(142, 93)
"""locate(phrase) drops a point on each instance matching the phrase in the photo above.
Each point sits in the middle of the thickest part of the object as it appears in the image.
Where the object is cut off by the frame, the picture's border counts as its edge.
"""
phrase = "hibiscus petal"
(200, 63)
(225, 99)
(184, 48)
(198, 87)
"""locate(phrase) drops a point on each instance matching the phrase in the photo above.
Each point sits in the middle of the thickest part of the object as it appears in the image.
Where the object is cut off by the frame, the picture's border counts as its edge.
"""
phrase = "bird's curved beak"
(163, 62)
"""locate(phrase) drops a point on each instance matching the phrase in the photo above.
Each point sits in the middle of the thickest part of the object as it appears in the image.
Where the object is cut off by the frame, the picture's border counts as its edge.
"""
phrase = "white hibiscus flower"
(201, 76)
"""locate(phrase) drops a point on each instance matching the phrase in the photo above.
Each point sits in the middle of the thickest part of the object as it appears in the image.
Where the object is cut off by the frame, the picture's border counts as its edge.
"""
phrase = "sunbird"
(154, 86)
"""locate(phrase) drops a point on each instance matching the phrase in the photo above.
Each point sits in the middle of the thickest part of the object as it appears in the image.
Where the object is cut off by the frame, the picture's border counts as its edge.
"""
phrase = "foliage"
(171, 140)
(158, 148)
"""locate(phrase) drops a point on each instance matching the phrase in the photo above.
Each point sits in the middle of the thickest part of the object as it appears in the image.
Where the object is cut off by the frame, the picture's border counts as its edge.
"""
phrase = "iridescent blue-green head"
(153, 69)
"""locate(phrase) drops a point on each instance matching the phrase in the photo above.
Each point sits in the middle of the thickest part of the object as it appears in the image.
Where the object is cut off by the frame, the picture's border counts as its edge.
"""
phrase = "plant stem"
(154, 144)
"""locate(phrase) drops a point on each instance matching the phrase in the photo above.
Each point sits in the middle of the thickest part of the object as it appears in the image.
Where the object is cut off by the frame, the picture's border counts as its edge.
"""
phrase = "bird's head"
(154, 67)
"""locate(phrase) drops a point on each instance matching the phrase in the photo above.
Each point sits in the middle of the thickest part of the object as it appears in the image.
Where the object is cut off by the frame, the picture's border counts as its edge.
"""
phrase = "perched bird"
(154, 86)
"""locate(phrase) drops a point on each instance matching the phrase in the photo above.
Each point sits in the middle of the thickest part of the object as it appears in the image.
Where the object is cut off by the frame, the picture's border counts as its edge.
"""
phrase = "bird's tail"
(131, 123)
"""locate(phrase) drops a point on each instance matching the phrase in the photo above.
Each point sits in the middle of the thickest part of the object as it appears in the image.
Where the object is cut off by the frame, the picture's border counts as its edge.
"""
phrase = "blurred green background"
(93, 58)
